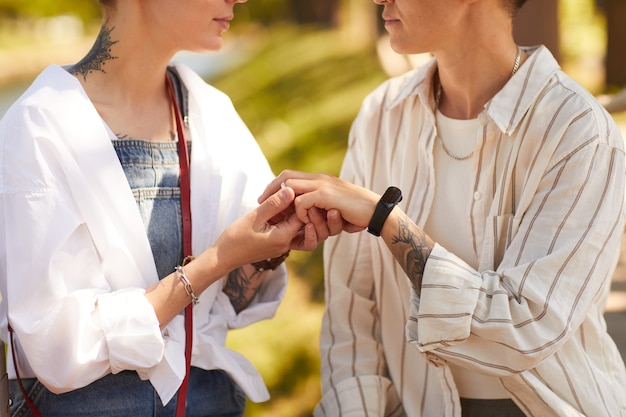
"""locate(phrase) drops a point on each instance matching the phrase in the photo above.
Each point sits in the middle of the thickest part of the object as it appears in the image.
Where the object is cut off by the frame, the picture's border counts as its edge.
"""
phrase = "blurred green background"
(297, 71)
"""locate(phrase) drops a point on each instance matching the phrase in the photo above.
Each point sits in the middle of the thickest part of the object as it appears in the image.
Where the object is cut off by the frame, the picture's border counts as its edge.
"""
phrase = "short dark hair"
(514, 5)
(519, 3)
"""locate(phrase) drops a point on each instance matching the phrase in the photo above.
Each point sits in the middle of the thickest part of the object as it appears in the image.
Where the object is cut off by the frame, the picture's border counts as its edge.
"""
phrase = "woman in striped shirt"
(509, 231)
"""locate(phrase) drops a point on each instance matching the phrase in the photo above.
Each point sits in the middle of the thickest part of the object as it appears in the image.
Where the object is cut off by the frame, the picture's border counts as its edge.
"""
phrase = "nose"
(382, 1)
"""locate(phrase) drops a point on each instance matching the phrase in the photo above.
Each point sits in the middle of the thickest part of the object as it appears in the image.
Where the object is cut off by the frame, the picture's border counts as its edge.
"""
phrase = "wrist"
(271, 263)
(208, 267)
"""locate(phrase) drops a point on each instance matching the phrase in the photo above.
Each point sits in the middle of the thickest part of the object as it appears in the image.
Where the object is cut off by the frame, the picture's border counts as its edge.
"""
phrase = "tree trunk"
(616, 44)
(537, 23)
(321, 12)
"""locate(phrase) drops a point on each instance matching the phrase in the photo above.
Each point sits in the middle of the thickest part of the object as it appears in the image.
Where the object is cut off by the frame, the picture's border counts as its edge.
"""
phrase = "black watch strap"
(387, 202)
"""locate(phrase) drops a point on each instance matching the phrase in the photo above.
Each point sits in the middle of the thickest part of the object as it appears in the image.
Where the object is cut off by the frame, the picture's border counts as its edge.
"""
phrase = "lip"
(390, 20)
(224, 21)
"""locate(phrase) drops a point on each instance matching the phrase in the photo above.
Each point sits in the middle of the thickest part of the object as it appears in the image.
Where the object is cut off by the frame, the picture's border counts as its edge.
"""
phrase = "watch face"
(385, 205)
(392, 196)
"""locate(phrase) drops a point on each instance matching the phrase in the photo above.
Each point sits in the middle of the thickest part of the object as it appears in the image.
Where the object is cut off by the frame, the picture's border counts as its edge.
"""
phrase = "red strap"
(182, 391)
(185, 201)
(185, 185)
(27, 399)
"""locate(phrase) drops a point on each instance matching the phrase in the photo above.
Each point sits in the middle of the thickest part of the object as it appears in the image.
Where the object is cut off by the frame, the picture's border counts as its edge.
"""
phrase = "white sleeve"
(72, 327)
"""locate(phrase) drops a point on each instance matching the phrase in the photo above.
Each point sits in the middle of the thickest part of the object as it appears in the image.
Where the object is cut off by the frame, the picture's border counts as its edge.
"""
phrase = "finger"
(334, 222)
(309, 239)
(274, 205)
(287, 230)
(286, 178)
(318, 219)
(283, 215)
(305, 204)
(278, 183)
(271, 188)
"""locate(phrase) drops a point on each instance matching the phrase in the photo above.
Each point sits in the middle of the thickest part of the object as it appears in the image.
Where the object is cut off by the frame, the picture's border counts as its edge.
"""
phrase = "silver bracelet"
(180, 272)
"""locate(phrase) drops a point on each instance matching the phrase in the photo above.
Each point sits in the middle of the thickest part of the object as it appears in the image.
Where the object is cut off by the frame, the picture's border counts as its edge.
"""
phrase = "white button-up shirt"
(74, 256)
(547, 220)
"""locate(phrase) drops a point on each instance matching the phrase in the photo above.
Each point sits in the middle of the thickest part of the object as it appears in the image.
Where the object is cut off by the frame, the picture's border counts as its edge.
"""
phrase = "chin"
(405, 47)
(213, 45)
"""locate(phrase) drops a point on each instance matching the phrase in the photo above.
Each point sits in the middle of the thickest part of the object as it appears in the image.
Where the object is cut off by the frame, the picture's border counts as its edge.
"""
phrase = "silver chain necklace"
(518, 58)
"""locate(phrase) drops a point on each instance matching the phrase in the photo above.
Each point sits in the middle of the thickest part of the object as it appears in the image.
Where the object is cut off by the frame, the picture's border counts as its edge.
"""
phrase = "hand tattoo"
(412, 250)
(98, 55)
(239, 288)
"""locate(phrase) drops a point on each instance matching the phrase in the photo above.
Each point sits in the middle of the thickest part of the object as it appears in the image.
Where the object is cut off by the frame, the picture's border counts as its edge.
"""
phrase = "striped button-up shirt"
(547, 218)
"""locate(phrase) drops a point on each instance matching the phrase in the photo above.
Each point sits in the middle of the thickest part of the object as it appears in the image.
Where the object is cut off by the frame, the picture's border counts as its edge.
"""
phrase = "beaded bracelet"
(270, 264)
(180, 272)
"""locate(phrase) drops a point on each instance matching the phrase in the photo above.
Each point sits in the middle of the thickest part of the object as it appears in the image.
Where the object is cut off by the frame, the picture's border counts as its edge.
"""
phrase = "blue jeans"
(211, 393)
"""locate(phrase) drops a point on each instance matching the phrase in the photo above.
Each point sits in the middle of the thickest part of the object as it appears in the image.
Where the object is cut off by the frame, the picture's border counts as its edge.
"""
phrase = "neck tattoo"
(97, 57)
(516, 64)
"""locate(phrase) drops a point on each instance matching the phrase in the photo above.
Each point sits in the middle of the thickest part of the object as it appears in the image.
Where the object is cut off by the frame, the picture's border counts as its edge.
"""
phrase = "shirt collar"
(507, 108)
(416, 82)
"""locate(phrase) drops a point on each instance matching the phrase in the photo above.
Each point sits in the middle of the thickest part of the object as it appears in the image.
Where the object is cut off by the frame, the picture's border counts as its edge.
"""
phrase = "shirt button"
(477, 196)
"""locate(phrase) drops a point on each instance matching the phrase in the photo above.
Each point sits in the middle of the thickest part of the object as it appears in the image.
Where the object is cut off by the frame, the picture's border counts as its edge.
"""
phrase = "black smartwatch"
(387, 202)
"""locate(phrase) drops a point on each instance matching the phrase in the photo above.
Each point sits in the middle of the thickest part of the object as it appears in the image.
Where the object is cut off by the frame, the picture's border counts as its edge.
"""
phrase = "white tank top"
(448, 224)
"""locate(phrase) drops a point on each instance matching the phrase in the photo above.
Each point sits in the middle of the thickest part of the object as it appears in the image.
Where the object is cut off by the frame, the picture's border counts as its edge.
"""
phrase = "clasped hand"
(298, 211)
(325, 204)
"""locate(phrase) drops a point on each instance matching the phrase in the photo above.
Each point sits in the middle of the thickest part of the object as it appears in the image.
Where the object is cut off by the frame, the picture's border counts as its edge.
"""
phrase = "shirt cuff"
(369, 395)
(264, 304)
(442, 315)
(131, 330)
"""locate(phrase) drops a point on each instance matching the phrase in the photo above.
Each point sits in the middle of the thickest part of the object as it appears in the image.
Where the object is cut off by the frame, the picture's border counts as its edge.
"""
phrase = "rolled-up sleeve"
(132, 335)
(263, 305)
(368, 395)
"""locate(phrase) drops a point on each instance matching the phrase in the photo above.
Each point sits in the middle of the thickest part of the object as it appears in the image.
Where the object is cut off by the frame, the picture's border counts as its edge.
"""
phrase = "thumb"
(275, 204)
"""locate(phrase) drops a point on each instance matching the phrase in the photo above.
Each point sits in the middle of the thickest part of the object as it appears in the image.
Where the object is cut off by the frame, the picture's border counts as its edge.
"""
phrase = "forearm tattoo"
(411, 248)
(96, 58)
(239, 288)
